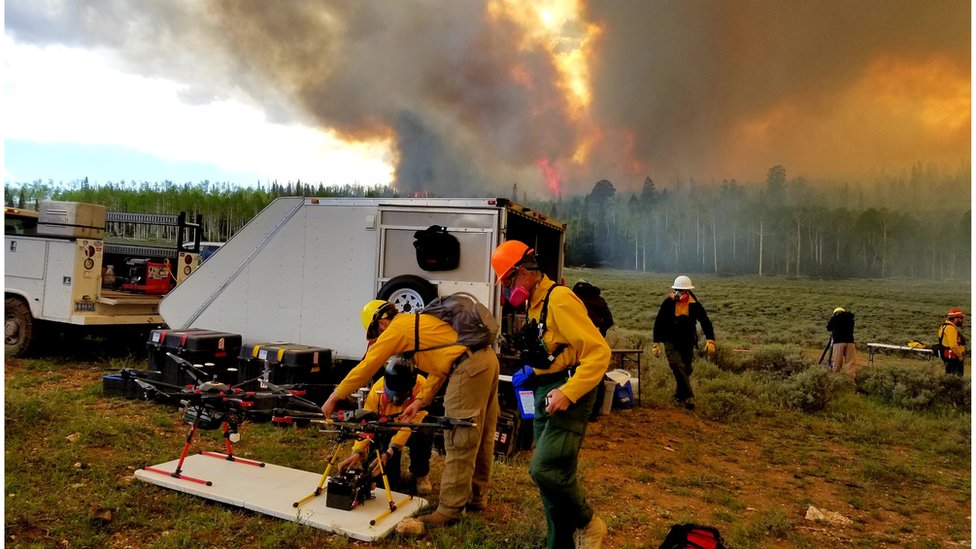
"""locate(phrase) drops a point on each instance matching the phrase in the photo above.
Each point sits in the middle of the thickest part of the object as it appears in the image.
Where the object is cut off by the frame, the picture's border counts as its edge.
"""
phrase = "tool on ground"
(827, 352)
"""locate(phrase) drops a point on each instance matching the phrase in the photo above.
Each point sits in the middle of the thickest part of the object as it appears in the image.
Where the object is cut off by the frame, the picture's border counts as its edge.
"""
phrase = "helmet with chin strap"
(373, 312)
(399, 378)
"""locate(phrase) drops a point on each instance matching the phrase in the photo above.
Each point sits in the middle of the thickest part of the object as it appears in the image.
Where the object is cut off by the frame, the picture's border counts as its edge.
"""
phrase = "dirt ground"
(670, 465)
(649, 467)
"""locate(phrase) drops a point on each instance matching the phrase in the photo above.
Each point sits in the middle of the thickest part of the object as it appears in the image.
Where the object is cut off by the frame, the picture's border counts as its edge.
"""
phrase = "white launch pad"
(272, 490)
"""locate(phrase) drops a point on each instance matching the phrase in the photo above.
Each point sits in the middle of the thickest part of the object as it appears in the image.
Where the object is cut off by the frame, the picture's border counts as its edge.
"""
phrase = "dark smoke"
(690, 88)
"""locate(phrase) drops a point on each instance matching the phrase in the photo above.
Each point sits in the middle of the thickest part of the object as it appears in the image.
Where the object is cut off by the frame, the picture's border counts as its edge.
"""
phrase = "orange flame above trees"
(551, 174)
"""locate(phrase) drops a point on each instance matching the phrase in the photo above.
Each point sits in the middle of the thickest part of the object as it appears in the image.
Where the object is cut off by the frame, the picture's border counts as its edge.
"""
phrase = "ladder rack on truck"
(186, 253)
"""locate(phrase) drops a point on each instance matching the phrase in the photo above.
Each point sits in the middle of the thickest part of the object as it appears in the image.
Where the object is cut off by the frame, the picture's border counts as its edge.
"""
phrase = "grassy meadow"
(889, 451)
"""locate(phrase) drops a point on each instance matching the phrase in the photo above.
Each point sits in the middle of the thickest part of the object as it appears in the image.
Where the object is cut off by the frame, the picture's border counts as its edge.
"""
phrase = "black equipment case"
(215, 352)
(287, 363)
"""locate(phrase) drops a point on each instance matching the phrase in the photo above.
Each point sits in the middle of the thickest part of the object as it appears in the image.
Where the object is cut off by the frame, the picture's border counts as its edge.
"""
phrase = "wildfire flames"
(551, 175)
(463, 98)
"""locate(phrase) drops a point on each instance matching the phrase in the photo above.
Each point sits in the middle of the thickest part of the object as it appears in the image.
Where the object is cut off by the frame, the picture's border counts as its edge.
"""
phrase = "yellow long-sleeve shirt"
(951, 338)
(398, 338)
(378, 403)
(567, 323)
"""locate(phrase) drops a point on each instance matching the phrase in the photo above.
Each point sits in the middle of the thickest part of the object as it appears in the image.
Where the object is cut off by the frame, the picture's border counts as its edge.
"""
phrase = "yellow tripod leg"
(388, 512)
(389, 493)
(325, 475)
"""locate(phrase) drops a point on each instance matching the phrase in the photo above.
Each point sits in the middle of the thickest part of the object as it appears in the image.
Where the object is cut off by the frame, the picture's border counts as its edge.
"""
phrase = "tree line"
(917, 225)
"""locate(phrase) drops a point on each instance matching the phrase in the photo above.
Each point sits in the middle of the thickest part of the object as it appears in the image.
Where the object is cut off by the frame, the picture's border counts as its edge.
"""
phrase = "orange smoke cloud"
(897, 110)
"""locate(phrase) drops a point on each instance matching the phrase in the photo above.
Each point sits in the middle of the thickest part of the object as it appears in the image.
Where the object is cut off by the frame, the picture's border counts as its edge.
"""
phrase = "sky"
(470, 98)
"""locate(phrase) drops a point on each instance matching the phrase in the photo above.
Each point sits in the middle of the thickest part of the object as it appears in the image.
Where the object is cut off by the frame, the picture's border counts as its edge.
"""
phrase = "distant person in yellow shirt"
(952, 342)
(389, 396)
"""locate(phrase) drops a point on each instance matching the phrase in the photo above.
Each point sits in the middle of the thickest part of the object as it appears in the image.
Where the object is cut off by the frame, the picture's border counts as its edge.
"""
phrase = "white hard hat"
(682, 283)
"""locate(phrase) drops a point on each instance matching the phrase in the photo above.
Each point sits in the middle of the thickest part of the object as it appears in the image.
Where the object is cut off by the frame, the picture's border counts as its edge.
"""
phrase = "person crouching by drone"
(472, 394)
(390, 395)
(565, 357)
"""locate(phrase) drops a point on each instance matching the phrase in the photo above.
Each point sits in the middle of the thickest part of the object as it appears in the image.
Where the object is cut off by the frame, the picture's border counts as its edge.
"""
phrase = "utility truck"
(303, 268)
(60, 273)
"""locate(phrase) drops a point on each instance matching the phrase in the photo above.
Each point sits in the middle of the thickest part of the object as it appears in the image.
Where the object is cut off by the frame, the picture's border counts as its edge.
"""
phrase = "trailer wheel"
(409, 293)
(19, 327)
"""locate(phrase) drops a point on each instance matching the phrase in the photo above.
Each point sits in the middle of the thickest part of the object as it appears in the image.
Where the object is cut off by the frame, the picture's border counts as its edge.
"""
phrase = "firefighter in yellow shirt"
(952, 342)
(472, 394)
(389, 396)
(565, 357)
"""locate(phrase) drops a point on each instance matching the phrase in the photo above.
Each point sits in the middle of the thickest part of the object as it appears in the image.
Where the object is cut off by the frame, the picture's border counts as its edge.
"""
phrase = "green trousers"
(558, 439)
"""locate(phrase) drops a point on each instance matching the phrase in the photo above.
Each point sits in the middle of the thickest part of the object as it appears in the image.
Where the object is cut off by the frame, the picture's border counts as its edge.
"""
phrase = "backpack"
(693, 536)
(938, 349)
(437, 250)
(473, 322)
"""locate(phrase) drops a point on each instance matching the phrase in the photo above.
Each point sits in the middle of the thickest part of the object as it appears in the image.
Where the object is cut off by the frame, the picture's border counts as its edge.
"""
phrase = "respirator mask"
(516, 296)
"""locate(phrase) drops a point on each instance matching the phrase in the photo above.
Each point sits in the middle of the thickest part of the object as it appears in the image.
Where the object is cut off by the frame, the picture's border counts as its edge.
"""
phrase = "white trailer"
(303, 268)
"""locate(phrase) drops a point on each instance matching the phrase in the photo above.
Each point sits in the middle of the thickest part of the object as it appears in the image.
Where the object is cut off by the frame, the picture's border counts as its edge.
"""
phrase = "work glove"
(521, 378)
(656, 350)
(710, 347)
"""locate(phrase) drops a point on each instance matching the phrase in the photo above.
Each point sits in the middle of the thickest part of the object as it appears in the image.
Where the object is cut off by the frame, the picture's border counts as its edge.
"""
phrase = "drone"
(211, 405)
(351, 488)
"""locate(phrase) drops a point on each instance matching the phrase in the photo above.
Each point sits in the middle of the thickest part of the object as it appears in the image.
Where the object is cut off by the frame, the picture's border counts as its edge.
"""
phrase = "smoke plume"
(477, 96)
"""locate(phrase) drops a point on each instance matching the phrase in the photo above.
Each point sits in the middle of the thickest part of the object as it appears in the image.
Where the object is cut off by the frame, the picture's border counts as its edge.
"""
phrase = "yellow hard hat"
(506, 256)
(369, 311)
(839, 310)
(372, 312)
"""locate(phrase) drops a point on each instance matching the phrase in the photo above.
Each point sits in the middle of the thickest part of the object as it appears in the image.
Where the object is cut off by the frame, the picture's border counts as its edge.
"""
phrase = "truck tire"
(410, 293)
(20, 329)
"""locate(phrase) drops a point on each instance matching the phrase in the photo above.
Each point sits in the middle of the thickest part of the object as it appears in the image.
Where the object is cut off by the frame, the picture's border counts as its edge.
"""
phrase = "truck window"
(17, 221)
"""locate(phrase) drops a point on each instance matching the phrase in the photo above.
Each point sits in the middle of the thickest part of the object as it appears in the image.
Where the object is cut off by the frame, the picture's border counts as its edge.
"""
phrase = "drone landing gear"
(325, 476)
(229, 456)
(389, 494)
(231, 436)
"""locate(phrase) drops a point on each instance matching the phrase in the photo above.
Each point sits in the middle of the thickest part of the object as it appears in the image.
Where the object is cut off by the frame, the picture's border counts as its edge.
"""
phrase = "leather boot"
(591, 537)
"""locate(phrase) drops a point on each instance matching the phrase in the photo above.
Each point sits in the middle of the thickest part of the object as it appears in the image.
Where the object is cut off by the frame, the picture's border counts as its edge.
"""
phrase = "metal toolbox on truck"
(287, 363)
(71, 219)
(213, 354)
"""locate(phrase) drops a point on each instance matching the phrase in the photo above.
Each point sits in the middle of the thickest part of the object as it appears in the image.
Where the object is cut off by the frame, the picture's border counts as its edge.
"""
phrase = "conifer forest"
(913, 225)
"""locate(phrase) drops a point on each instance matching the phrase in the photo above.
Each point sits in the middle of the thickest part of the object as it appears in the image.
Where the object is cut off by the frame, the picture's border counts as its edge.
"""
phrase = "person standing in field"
(564, 358)
(843, 355)
(675, 328)
(952, 343)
